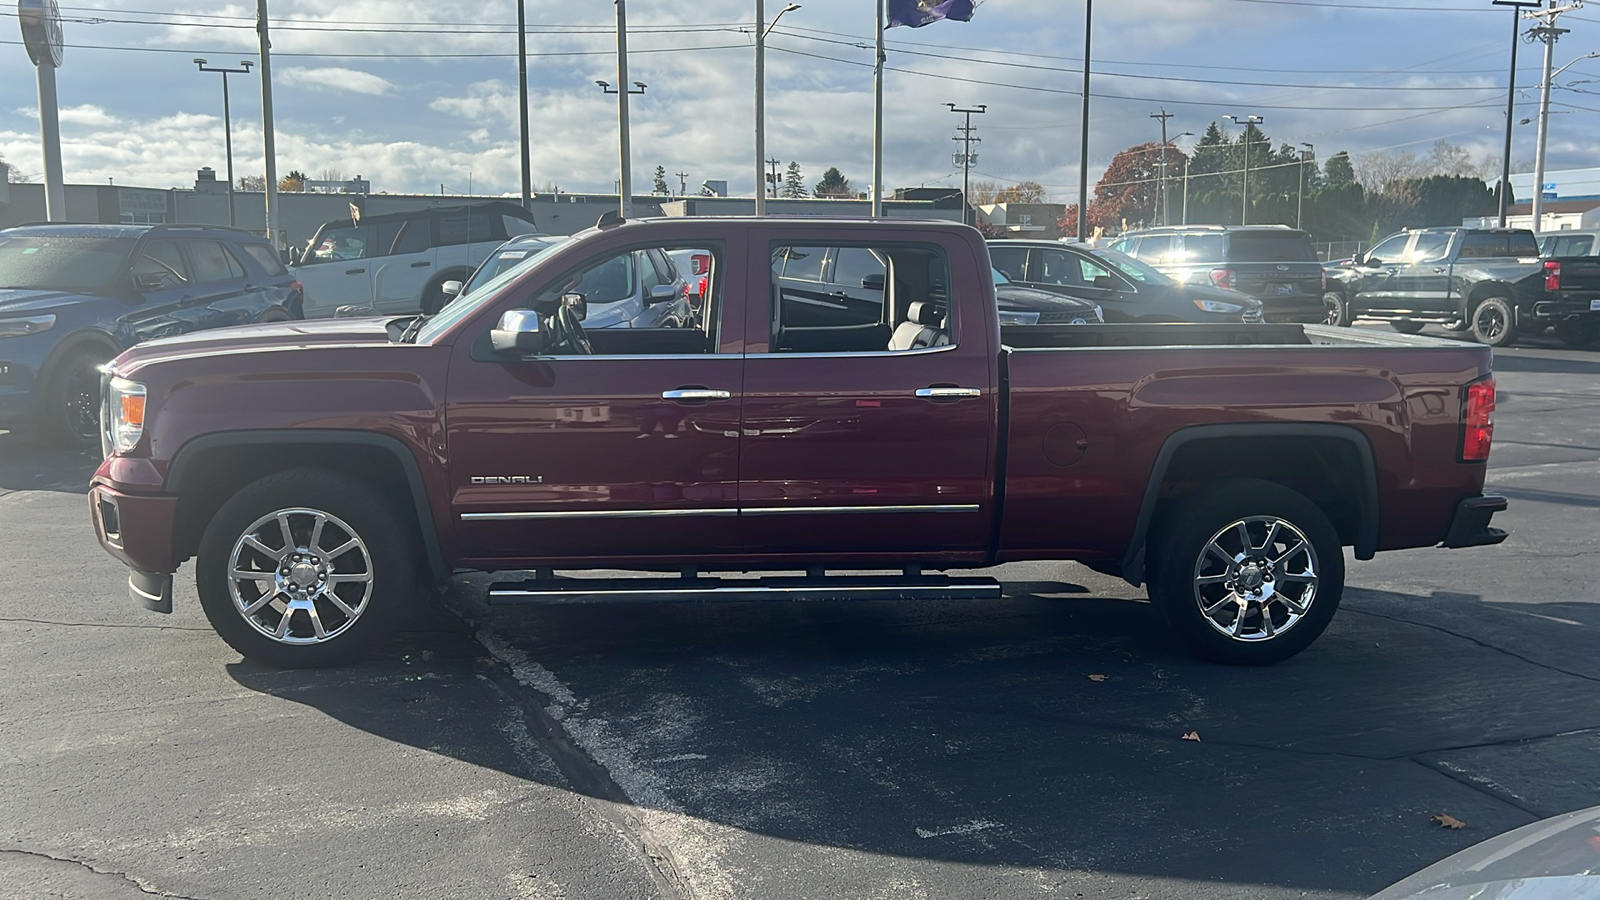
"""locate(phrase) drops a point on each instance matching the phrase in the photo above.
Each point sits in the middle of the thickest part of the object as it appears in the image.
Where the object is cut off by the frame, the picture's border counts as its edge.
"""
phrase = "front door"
(1375, 279)
(1423, 281)
(864, 453)
(629, 452)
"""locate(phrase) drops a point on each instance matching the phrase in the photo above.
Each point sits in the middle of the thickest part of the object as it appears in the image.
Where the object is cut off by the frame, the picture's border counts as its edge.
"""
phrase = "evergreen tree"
(834, 184)
(1339, 172)
(794, 184)
(661, 182)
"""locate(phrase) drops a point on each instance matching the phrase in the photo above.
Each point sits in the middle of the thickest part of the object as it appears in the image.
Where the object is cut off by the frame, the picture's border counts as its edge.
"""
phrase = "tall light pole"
(622, 90)
(1300, 204)
(877, 114)
(1511, 100)
(1083, 152)
(762, 30)
(268, 136)
(1549, 34)
(227, 120)
(1244, 195)
(41, 32)
(966, 157)
(1185, 178)
(522, 105)
(1161, 180)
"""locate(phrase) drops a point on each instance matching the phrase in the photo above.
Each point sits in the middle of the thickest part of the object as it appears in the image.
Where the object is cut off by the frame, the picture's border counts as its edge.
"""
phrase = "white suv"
(399, 262)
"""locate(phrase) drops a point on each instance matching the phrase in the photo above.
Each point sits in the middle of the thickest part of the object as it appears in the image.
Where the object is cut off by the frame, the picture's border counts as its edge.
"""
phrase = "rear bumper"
(136, 529)
(1470, 527)
(1303, 308)
(1565, 308)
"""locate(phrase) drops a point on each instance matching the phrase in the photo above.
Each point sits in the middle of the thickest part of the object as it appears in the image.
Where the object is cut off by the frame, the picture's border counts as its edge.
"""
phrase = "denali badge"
(508, 479)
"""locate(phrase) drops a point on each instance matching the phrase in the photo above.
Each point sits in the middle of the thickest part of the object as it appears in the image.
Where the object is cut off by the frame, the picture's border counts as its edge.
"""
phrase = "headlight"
(1099, 314)
(28, 325)
(1218, 306)
(124, 415)
(1018, 317)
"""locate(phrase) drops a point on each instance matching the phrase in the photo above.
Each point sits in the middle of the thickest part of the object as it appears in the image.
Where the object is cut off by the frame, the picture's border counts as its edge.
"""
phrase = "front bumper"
(1470, 527)
(137, 529)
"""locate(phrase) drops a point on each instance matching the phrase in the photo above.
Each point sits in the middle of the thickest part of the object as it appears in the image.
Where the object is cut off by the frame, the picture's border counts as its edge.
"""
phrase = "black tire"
(1406, 327)
(385, 557)
(1185, 576)
(1579, 333)
(1494, 322)
(69, 415)
(1337, 310)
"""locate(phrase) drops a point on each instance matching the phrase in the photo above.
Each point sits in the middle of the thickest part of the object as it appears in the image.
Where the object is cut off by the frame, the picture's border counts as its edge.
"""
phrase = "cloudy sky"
(413, 95)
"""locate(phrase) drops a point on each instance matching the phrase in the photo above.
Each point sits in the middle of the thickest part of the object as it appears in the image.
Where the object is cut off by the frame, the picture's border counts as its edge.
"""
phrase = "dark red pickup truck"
(317, 469)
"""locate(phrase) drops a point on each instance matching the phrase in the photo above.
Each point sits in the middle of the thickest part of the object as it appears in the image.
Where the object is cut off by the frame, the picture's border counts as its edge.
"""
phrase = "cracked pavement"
(869, 749)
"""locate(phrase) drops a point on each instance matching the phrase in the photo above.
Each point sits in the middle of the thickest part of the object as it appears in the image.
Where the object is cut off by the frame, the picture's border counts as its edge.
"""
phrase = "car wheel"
(1494, 323)
(305, 568)
(1247, 572)
(1578, 333)
(70, 416)
(1406, 327)
(1337, 310)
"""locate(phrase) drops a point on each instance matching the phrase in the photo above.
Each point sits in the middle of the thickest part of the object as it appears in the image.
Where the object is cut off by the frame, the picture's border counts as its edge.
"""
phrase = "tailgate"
(1267, 280)
(1580, 275)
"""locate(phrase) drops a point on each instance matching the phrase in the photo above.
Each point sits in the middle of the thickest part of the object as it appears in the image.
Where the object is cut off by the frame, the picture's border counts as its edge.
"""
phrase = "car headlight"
(1218, 306)
(1018, 317)
(26, 325)
(123, 421)
(1099, 314)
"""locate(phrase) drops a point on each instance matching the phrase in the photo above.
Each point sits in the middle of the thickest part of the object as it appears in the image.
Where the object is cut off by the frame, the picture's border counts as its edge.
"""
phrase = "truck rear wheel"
(1246, 571)
(304, 568)
(1494, 322)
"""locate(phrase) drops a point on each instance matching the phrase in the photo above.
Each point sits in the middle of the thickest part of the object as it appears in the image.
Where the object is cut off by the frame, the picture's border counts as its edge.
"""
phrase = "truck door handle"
(1439, 270)
(695, 395)
(354, 271)
(421, 265)
(948, 393)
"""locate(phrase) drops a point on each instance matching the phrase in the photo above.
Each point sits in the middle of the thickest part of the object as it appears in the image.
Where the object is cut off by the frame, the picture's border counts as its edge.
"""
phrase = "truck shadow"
(1043, 731)
(26, 464)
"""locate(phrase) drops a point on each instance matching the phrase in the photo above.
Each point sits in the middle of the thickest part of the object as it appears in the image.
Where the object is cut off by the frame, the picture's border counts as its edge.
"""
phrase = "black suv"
(1272, 263)
(74, 296)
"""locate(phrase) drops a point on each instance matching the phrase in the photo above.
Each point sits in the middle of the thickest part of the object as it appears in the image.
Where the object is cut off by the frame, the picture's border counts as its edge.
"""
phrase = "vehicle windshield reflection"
(476, 297)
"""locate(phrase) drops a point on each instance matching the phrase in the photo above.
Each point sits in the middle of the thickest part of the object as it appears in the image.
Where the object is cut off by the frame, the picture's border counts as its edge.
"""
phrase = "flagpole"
(877, 118)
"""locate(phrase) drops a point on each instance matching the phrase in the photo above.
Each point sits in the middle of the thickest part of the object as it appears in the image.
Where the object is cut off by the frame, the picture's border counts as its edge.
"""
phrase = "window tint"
(341, 242)
(843, 316)
(163, 258)
(1430, 246)
(1056, 267)
(267, 257)
(380, 241)
(1523, 244)
(1198, 248)
(465, 228)
(1390, 249)
(414, 237)
(804, 263)
(1089, 270)
(854, 265)
(1270, 246)
(1568, 245)
(1009, 260)
(212, 262)
(1157, 248)
(1489, 244)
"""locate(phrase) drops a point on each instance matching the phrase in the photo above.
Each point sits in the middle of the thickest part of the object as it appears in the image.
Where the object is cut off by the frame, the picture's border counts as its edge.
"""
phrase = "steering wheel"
(571, 333)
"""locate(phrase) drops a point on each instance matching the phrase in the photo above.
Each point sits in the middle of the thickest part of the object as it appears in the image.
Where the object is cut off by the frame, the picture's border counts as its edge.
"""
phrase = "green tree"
(794, 184)
(1339, 172)
(833, 184)
(661, 182)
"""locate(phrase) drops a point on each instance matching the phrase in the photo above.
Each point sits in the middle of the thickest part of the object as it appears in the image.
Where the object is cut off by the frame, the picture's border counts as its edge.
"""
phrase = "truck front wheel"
(304, 568)
(1494, 323)
(1246, 571)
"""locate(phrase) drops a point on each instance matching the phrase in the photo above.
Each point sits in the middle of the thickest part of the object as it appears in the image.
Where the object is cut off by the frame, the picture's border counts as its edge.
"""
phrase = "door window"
(1198, 248)
(383, 235)
(1009, 260)
(414, 238)
(514, 226)
(1089, 270)
(910, 311)
(854, 265)
(1158, 248)
(267, 257)
(802, 263)
(1568, 245)
(1429, 247)
(341, 242)
(162, 258)
(1056, 267)
(213, 262)
(1389, 250)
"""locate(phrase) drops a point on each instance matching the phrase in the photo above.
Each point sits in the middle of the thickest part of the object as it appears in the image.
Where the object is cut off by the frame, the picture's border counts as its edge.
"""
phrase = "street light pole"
(1300, 204)
(227, 120)
(968, 158)
(1549, 34)
(522, 105)
(1083, 152)
(762, 30)
(1185, 177)
(1244, 195)
(622, 90)
(1511, 100)
(268, 136)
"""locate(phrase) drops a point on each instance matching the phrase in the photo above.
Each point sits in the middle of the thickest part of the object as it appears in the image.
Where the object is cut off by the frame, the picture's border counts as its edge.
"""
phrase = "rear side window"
(1200, 248)
(414, 238)
(1568, 245)
(213, 262)
(382, 238)
(163, 259)
(266, 257)
(1524, 244)
(1270, 246)
(802, 263)
(465, 228)
(1498, 244)
(879, 298)
(1430, 247)
(1157, 248)
(855, 265)
(515, 226)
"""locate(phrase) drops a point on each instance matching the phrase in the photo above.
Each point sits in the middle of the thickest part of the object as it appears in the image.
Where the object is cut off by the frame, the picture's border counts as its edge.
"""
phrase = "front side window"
(1389, 250)
(340, 242)
(1009, 260)
(877, 299)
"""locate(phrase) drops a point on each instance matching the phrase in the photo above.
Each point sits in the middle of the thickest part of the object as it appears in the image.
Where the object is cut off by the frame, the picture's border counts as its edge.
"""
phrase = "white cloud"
(334, 79)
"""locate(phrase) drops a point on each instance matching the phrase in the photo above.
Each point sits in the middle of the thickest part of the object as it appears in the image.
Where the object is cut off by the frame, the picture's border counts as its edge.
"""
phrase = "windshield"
(999, 276)
(469, 301)
(80, 264)
(507, 259)
(1133, 268)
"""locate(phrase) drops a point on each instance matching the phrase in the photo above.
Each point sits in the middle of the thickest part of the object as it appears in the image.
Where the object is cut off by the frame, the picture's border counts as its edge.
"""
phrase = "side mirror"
(148, 281)
(872, 283)
(1105, 282)
(517, 332)
(450, 288)
(578, 303)
(661, 293)
(294, 256)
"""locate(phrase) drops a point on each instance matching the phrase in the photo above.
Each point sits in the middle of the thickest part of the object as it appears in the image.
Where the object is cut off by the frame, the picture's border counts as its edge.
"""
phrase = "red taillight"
(1477, 426)
(1552, 275)
(1224, 278)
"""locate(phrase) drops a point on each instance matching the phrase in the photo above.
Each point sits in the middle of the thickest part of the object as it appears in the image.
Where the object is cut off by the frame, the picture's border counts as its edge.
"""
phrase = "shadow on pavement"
(26, 464)
(972, 732)
(1507, 362)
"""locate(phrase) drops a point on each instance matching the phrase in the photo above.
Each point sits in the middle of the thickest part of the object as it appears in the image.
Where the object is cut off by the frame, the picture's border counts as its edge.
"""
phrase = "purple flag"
(918, 13)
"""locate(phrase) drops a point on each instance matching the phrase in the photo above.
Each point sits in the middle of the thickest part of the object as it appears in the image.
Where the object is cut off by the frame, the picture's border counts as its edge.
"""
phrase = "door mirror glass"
(517, 332)
(1105, 283)
(294, 256)
(147, 281)
(450, 288)
(872, 282)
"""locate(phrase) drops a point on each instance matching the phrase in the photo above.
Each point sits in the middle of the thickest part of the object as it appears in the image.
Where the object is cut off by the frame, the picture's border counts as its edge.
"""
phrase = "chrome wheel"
(1256, 578)
(300, 576)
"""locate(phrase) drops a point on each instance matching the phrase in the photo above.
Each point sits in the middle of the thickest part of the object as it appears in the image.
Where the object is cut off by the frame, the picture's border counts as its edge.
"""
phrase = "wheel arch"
(1483, 290)
(212, 467)
(1355, 514)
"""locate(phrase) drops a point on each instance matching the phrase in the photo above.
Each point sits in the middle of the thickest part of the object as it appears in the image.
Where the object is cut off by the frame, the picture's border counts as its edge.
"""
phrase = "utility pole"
(1083, 153)
(1300, 204)
(1244, 195)
(1161, 182)
(683, 183)
(762, 30)
(269, 140)
(966, 159)
(1185, 178)
(522, 106)
(622, 90)
(1549, 34)
(877, 116)
(773, 178)
(227, 120)
(1511, 100)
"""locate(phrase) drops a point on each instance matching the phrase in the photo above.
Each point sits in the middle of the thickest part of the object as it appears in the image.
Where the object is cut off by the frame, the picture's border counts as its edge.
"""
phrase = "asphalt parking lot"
(866, 749)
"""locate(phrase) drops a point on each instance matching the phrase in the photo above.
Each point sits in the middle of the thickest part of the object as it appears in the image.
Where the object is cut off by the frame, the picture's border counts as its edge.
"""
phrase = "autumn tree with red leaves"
(1126, 196)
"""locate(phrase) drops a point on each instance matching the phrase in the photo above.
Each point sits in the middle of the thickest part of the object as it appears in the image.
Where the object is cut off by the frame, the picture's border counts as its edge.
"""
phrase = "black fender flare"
(422, 508)
(1366, 542)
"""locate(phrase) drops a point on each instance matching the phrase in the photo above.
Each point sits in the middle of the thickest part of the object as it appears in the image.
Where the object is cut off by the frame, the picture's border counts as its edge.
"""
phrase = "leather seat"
(923, 327)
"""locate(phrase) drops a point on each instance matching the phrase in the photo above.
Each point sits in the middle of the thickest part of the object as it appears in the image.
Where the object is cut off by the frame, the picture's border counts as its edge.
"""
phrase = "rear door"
(858, 451)
(224, 294)
(1074, 274)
